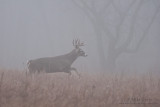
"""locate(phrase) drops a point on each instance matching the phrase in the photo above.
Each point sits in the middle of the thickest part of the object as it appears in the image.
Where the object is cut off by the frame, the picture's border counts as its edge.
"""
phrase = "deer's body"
(60, 63)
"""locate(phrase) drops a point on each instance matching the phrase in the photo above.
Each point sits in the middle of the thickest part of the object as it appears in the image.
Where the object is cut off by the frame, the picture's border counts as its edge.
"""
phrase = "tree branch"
(94, 17)
(105, 7)
(122, 18)
(86, 10)
(130, 37)
(145, 32)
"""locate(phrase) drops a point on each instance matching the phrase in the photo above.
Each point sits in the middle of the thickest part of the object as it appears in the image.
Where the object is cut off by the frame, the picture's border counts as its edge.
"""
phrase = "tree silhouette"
(116, 42)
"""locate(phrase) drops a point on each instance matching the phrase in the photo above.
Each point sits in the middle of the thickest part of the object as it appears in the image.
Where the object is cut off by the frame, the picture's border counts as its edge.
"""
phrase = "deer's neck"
(72, 56)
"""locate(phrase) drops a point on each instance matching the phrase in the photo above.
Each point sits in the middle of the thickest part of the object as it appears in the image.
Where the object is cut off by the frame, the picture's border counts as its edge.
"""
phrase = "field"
(17, 89)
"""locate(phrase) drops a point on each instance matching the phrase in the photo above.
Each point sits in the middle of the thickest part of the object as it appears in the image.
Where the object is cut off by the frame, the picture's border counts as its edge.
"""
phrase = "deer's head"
(77, 44)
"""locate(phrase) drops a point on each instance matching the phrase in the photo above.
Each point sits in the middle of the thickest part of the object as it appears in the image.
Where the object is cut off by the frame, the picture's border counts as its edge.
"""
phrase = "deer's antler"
(77, 43)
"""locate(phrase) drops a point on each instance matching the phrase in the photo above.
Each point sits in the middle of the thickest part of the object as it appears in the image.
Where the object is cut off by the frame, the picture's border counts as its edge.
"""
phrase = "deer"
(60, 63)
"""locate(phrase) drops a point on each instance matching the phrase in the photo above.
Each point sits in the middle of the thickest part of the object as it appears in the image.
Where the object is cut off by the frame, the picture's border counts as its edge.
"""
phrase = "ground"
(17, 89)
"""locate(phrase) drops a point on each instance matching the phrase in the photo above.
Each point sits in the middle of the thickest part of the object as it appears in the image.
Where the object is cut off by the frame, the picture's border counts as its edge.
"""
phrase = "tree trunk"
(112, 56)
(100, 48)
(111, 63)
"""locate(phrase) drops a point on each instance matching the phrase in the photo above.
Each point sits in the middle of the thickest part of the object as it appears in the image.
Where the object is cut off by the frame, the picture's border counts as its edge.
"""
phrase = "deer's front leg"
(74, 69)
(67, 70)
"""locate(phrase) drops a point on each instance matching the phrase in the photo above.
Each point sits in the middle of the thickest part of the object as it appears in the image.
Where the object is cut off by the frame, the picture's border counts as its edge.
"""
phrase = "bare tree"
(97, 16)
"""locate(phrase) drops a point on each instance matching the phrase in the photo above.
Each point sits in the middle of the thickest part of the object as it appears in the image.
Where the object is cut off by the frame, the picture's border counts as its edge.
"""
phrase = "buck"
(60, 63)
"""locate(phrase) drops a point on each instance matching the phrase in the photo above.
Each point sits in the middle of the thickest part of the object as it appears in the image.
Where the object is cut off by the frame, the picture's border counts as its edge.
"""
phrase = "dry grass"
(91, 90)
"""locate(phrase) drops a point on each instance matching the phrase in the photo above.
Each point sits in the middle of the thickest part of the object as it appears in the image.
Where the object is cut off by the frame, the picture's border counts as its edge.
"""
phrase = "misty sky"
(32, 29)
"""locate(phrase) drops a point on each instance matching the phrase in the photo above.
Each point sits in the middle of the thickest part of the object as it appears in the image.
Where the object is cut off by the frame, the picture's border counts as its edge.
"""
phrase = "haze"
(31, 29)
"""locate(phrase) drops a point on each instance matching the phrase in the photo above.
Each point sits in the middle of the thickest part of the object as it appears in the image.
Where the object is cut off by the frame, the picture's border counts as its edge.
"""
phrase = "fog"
(119, 35)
